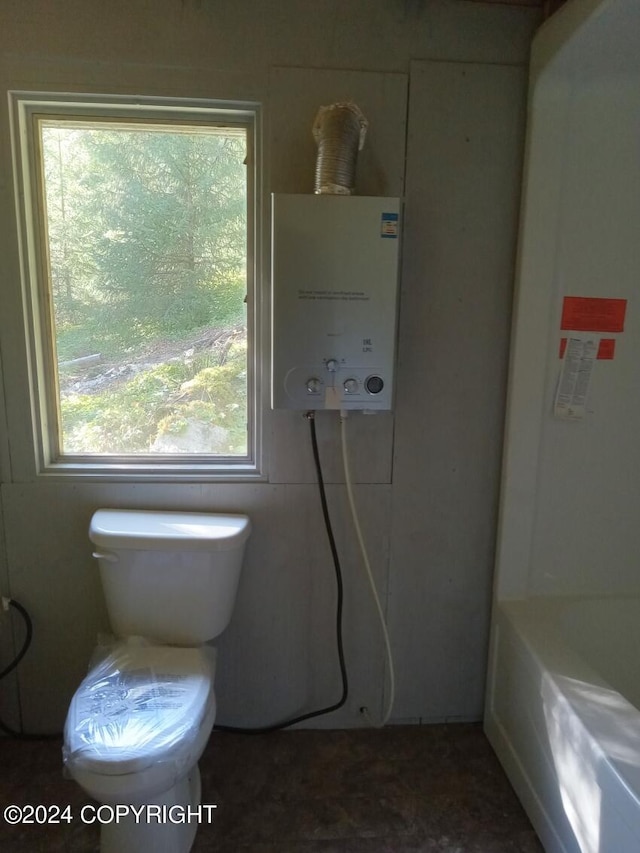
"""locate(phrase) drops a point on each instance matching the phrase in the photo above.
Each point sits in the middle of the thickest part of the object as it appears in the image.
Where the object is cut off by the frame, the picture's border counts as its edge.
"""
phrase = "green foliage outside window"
(147, 240)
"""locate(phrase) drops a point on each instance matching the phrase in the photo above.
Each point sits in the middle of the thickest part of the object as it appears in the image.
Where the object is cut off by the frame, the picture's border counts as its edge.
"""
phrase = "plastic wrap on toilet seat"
(142, 704)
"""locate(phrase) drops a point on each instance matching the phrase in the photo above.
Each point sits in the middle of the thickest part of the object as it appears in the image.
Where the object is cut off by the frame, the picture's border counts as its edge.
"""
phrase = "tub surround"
(562, 698)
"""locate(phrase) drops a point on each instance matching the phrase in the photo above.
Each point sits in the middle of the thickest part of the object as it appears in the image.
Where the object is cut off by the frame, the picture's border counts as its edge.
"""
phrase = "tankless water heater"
(334, 301)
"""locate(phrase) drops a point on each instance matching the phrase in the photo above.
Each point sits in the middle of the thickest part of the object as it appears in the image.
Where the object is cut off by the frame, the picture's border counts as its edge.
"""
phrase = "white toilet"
(139, 721)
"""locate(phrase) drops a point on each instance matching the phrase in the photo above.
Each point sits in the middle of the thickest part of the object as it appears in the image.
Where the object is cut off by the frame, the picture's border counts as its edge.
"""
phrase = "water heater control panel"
(334, 301)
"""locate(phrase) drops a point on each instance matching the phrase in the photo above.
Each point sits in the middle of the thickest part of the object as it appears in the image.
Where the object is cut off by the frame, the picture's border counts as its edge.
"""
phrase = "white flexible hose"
(367, 565)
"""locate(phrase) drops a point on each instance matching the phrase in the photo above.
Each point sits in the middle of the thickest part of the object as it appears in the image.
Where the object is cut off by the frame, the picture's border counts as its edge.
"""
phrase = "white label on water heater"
(389, 225)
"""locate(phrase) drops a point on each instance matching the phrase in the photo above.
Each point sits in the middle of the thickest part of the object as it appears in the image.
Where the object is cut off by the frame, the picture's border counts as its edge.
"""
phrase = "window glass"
(146, 232)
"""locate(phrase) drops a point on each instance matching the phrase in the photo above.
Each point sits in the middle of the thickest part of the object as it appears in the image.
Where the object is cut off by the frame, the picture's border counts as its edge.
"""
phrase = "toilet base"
(129, 836)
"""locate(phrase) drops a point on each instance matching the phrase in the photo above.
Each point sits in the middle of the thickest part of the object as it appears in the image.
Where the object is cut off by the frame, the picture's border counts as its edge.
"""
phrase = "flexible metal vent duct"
(339, 131)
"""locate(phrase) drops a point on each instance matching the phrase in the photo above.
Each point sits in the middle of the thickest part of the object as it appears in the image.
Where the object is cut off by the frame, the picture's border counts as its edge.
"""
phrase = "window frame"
(27, 109)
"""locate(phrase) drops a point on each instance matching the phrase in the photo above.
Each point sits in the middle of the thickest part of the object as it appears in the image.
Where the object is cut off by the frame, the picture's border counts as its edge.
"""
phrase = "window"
(139, 221)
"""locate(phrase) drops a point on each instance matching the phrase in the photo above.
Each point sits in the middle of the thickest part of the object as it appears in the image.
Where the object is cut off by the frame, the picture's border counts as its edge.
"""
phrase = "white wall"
(571, 498)
(463, 166)
(428, 475)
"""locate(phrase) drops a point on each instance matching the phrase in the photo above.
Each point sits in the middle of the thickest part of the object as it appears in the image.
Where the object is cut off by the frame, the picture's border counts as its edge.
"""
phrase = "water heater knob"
(313, 385)
(332, 365)
(350, 386)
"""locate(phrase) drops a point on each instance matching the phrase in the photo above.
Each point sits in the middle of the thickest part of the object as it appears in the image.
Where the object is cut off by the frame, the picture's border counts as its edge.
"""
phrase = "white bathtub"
(562, 714)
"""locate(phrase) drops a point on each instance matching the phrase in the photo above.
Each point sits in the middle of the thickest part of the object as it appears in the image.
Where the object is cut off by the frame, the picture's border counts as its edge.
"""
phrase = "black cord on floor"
(339, 606)
(6, 729)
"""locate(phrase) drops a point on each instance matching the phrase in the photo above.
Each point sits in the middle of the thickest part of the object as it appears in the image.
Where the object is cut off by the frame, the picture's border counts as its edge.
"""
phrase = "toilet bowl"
(141, 718)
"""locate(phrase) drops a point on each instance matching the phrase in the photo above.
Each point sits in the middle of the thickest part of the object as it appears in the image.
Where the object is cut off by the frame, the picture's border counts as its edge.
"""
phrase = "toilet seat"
(142, 705)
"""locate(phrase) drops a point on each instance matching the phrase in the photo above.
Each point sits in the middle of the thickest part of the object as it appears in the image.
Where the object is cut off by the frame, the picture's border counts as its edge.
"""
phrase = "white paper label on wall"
(575, 378)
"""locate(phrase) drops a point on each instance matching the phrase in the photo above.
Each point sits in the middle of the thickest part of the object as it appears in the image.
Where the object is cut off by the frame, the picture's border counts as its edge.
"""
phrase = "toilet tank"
(169, 576)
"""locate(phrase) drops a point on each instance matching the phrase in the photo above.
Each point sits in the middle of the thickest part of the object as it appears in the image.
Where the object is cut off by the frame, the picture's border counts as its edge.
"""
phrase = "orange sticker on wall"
(591, 314)
(607, 348)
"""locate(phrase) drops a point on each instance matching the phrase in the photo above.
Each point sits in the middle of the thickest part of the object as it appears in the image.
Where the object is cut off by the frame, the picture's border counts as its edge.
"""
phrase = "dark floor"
(437, 789)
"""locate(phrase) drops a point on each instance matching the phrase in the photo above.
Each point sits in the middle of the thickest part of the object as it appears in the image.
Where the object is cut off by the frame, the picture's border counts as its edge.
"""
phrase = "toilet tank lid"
(148, 530)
